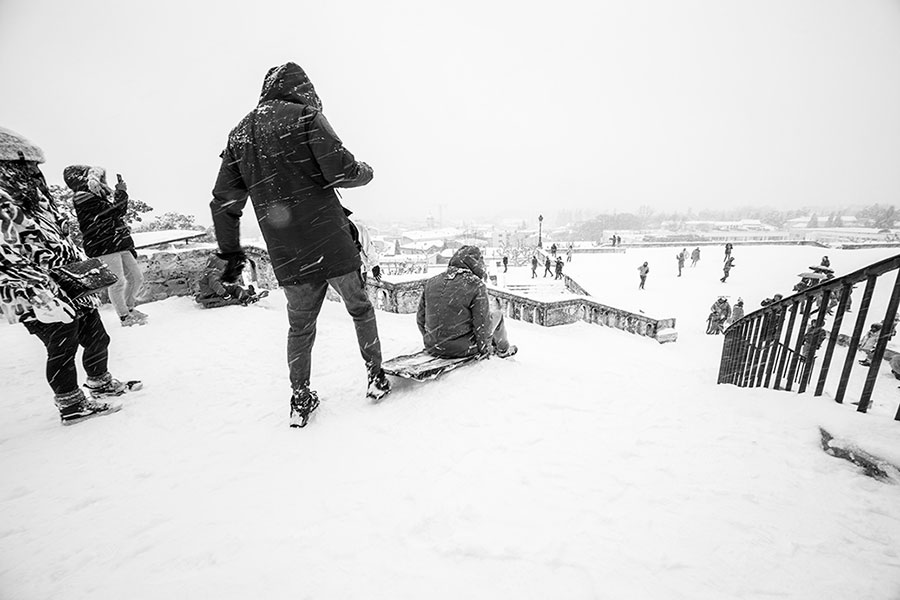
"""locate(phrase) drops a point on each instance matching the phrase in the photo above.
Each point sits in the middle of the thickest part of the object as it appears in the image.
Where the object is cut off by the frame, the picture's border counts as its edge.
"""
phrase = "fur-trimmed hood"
(83, 178)
(14, 146)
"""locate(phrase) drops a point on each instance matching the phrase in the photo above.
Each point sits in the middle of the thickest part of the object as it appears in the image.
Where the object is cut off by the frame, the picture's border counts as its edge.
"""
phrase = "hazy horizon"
(477, 111)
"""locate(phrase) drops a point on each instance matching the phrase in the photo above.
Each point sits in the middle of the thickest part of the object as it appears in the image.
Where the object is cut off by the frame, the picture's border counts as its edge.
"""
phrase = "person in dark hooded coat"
(101, 218)
(454, 315)
(287, 158)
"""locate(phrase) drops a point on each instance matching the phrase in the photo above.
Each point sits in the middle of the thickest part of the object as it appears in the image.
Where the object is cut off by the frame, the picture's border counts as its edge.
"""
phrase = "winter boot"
(379, 386)
(138, 315)
(510, 351)
(74, 407)
(105, 386)
(130, 319)
(303, 403)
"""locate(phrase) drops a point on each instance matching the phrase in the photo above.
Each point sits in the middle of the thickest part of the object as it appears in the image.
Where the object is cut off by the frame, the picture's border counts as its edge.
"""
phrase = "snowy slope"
(594, 464)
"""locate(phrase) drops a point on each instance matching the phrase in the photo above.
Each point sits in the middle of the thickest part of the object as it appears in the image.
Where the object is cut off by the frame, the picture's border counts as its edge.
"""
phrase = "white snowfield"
(593, 464)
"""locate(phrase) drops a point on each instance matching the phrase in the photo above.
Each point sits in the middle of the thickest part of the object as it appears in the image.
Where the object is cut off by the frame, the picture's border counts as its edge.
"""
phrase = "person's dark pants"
(643, 281)
(62, 341)
(304, 302)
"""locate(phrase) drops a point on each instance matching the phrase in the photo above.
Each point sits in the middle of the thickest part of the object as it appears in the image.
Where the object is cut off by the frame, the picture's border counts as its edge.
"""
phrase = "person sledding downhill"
(285, 156)
(35, 241)
(454, 314)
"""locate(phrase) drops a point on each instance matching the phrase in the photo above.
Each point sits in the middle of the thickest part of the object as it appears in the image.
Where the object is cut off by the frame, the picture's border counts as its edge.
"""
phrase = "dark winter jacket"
(286, 157)
(211, 281)
(100, 212)
(454, 312)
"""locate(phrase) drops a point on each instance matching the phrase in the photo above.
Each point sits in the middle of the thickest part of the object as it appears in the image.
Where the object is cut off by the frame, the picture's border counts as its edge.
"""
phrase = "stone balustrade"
(404, 298)
(178, 273)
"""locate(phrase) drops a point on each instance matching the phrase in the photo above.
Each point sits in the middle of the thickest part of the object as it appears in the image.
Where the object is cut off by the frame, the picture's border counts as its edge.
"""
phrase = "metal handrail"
(754, 355)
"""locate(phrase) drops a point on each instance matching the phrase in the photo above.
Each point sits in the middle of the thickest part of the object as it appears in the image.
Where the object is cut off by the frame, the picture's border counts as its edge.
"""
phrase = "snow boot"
(303, 403)
(107, 387)
(75, 407)
(379, 386)
(138, 315)
(130, 320)
(510, 351)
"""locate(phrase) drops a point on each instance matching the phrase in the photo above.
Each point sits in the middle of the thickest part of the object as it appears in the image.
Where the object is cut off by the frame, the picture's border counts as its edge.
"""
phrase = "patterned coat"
(34, 239)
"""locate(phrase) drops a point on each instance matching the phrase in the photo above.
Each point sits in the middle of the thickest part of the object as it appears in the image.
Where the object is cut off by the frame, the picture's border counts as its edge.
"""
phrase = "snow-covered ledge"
(404, 298)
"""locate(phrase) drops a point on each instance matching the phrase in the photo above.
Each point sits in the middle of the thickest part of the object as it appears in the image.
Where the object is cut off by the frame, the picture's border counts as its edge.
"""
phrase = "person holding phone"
(101, 217)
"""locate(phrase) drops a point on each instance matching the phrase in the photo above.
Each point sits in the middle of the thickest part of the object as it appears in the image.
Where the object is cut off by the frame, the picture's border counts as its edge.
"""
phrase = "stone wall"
(404, 298)
(178, 273)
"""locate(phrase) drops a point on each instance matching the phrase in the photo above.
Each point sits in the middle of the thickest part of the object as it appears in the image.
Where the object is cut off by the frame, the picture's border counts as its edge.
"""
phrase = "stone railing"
(404, 298)
(178, 273)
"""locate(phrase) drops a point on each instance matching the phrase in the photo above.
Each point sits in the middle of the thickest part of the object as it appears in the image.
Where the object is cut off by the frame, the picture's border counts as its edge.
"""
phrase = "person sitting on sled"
(214, 293)
(455, 316)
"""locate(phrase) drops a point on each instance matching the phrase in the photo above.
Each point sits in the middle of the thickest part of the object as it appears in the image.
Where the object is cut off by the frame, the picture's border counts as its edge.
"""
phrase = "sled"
(422, 366)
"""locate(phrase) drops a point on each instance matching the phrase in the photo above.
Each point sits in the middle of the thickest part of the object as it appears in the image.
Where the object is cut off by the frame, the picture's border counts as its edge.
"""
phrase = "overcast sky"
(479, 109)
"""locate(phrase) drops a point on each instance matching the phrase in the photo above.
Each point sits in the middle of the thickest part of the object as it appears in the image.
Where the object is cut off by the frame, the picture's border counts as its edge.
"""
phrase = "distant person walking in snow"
(505, 263)
(534, 266)
(287, 158)
(553, 249)
(719, 314)
(455, 316)
(726, 268)
(547, 267)
(559, 267)
(643, 270)
(737, 312)
(680, 258)
(34, 243)
(101, 218)
(695, 256)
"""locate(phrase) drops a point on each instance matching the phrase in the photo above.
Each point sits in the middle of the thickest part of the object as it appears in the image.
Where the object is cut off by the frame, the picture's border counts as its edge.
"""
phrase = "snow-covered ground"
(593, 464)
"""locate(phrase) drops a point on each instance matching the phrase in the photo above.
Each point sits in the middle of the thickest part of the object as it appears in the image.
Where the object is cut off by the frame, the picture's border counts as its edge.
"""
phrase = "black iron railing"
(778, 345)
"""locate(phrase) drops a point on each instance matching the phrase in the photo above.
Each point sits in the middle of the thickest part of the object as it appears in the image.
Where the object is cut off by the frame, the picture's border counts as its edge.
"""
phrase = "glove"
(236, 262)
(48, 309)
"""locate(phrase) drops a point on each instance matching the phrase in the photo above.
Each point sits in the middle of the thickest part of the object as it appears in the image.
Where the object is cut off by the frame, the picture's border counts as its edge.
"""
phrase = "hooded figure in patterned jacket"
(34, 241)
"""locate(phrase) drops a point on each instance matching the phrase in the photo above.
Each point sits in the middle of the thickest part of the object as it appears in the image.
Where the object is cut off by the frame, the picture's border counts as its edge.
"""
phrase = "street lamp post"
(540, 228)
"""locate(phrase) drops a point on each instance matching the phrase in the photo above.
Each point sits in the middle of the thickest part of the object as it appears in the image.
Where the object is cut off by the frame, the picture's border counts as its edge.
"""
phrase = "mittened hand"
(48, 309)
(235, 265)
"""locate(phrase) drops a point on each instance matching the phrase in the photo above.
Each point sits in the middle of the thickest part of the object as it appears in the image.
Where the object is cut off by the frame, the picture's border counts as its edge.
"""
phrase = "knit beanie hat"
(14, 146)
